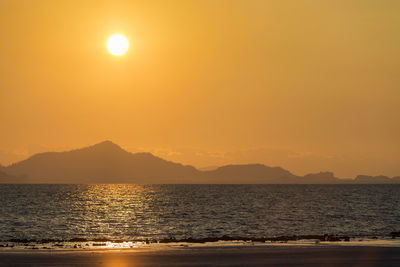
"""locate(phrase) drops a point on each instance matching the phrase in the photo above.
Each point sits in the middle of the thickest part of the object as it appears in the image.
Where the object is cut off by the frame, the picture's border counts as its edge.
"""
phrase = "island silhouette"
(106, 162)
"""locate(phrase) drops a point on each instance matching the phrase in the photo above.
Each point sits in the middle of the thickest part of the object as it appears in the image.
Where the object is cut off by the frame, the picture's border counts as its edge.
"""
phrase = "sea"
(122, 213)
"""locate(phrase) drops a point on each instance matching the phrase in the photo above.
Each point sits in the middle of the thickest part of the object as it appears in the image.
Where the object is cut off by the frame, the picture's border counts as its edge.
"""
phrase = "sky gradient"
(306, 85)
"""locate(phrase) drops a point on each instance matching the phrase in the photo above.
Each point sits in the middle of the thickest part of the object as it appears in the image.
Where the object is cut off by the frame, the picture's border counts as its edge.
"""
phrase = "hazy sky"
(306, 85)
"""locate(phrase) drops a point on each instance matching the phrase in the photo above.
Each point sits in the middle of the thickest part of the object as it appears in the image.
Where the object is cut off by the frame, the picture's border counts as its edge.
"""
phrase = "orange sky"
(306, 85)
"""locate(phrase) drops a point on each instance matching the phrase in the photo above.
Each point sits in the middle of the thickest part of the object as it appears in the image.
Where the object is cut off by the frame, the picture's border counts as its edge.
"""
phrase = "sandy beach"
(236, 256)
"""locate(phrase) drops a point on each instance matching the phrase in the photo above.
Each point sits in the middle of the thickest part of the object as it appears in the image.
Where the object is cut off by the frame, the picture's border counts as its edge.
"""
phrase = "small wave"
(324, 237)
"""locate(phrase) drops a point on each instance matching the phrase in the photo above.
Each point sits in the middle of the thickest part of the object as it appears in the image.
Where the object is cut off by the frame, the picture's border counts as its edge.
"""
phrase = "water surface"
(139, 212)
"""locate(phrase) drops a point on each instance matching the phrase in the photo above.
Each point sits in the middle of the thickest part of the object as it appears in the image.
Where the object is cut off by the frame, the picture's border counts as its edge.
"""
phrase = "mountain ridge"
(107, 162)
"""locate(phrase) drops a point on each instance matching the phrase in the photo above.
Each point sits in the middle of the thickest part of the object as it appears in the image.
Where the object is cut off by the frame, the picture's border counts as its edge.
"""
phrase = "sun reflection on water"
(111, 260)
(109, 211)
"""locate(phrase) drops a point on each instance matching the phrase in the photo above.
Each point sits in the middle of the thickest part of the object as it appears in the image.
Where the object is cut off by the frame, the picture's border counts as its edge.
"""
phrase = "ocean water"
(156, 212)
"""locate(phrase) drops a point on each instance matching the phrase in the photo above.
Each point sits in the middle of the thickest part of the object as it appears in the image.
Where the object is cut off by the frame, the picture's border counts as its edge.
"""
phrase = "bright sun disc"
(117, 44)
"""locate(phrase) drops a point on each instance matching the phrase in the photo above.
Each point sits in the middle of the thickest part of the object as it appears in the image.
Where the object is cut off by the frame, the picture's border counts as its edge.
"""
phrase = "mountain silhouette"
(365, 179)
(3, 174)
(250, 173)
(322, 178)
(107, 162)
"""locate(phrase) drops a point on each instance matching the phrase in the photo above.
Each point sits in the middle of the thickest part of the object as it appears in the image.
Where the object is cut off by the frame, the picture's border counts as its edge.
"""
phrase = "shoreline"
(88, 246)
(251, 256)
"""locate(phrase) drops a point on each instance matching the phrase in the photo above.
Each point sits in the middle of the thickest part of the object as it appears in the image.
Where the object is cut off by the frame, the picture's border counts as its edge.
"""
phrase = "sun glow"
(117, 44)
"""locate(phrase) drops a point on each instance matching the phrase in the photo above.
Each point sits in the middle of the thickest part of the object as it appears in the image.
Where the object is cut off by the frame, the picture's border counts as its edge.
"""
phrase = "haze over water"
(155, 212)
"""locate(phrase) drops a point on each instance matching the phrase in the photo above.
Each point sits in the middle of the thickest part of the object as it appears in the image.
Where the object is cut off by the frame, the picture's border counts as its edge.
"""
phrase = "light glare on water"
(154, 212)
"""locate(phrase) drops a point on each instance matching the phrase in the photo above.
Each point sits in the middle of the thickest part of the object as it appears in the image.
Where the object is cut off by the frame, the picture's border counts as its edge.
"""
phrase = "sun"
(117, 44)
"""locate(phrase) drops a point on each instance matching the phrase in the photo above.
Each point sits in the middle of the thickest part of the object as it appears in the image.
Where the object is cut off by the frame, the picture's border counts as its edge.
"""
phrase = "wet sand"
(207, 257)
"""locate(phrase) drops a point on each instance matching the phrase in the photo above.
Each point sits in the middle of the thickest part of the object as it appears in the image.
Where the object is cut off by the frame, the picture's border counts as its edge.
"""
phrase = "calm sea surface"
(135, 212)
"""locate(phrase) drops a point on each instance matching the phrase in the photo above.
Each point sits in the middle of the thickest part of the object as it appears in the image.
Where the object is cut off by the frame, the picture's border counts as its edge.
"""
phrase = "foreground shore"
(210, 256)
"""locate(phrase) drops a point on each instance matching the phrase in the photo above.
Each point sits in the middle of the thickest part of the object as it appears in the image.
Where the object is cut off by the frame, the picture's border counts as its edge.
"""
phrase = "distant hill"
(106, 162)
(250, 173)
(208, 168)
(8, 178)
(323, 178)
(4, 175)
(365, 179)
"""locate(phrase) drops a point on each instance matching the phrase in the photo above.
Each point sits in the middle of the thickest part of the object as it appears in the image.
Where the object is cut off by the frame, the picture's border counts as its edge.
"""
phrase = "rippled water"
(135, 212)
